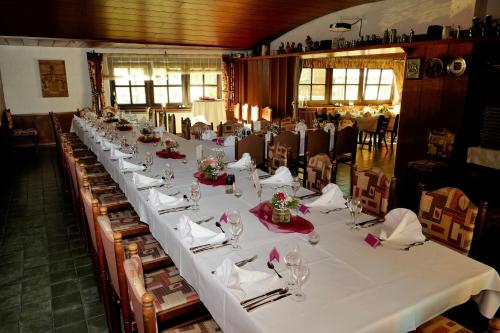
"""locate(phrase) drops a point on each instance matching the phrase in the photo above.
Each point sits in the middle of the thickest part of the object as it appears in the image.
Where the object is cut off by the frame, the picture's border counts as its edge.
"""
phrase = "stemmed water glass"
(355, 207)
(300, 273)
(168, 173)
(295, 186)
(195, 194)
(292, 260)
(134, 149)
(123, 143)
(148, 161)
(234, 219)
(251, 168)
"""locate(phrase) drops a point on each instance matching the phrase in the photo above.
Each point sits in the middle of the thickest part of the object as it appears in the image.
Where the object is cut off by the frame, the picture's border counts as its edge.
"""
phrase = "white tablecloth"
(489, 158)
(352, 287)
(213, 111)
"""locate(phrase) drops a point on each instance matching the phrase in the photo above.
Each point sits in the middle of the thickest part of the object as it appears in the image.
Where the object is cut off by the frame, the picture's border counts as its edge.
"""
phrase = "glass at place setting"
(295, 186)
(234, 219)
(168, 174)
(292, 260)
(355, 207)
(195, 194)
(300, 273)
(148, 162)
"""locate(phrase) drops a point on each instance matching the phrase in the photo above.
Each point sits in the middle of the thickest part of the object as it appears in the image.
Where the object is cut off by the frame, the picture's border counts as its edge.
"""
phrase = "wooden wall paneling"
(42, 123)
(282, 83)
(291, 86)
(273, 86)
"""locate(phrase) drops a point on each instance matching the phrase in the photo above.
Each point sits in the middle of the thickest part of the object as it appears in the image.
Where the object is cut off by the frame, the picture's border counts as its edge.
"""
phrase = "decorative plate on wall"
(457, 66)
(434, 67)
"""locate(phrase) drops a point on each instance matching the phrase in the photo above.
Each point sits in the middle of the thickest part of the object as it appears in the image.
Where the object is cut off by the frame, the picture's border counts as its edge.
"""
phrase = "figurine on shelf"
(294, 49)
(385, 39)
(299, 48)
(309, 44)
(281, 49)
(263, 51)
(488, 26)
(316, 45)
(288, 48)
(411, 36)
(475, 29)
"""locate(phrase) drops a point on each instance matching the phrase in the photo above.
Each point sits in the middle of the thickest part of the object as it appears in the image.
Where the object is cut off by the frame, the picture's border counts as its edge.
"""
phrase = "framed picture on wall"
(413, 68)
(53, 78)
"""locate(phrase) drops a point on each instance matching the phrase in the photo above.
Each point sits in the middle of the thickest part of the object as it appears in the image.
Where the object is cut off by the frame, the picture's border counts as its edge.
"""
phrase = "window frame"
(345, 84)
(168, 85)
(217, 85)
(310, 85)
(365, 84)
(129, 86)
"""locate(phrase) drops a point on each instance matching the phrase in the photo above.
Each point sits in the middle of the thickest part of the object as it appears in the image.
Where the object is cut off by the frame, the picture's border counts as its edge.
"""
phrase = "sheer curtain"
(95, 63)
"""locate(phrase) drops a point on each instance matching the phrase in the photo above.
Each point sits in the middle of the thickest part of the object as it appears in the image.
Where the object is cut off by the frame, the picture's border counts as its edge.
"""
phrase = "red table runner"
(297, 224)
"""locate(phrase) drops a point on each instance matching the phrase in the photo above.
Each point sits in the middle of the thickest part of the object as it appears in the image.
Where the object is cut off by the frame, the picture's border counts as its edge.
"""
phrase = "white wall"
(402, 15)
(21, 79)
(21, 76)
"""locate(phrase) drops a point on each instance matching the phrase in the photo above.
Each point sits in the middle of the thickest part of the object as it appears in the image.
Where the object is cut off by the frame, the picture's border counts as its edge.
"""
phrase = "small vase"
(281, 215)
(211, 177)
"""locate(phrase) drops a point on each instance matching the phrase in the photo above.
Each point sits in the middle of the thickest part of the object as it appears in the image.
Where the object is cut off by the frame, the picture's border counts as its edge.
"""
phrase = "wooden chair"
(116, 230)
(376, 191)
(317, 142)
(345, 146)
(392, 128)
(171, 123)
(254, 145)
(20, 137)
(263, 126)
(287, 124)
(320, 171)
(377, 135)
(244, 113)
(155, 288)
(199, 128)
(186, 128)
(267, 114)
(236, 112)
(290, 140)
(278, 155)
(451, 219)
(228, 128)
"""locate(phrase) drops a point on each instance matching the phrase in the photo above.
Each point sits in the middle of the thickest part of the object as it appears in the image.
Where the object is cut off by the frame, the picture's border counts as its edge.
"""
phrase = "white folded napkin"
(159, 129)
(282, 176)
(233, 277)
(300, 127)
(197, 234)
(329, 127)
(229, 141)
(242, 163)
(208, 135)
(402, 226)
(106, 144)
(332, 198)
(128, 167)
(144, 181)
(116, 154)
(161, 201)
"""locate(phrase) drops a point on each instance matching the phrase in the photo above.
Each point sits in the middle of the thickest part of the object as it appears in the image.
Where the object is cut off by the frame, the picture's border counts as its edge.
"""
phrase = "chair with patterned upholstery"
(186, 128)
(292, 141)
(198, 128)
(267, 114)
(287, 124)
(244, 113)
(433, 170)
(162, 294)
(278, 155)
(449, 218)
(171, 125)
(345, 146)
(228, 128)
(320, 171)
(376, 191)
(116, 230)
(254, 145)
(20, 137)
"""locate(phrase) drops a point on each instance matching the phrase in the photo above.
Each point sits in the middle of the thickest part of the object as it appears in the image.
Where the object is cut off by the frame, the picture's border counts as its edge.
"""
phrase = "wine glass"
(134, 149)
(123, 143)
(168, 173)
(195, 194)
(295, 186)
(234, 219)
(149, 161)
(292, 260)
(300, 273)
(355, 207)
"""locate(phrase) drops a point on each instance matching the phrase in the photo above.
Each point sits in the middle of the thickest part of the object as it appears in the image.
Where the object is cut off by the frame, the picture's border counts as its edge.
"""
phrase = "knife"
(250, 308)
(207, 245)
(377, 219)
(148, 187)
(269, 293)
(210, 248)
(264, 176)
(173, 210)
(243, 262)
(307, 196)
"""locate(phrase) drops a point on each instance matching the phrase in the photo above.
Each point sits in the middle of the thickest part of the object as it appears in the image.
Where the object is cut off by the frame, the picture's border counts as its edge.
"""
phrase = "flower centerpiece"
(281, 204)
(110, 117)
(170, 145)
(211, 168)
(123, 125)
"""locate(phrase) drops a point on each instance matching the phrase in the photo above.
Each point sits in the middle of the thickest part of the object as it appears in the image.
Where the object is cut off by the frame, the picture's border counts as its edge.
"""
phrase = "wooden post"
(392, 193)
(148, 312)
(122, 279)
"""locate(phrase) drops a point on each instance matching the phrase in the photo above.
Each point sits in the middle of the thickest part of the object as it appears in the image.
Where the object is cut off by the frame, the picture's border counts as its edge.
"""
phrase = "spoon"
(271, 266)
(217, 223)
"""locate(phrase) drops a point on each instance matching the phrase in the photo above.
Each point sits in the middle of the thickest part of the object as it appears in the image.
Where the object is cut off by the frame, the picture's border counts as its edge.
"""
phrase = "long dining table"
(352, 287)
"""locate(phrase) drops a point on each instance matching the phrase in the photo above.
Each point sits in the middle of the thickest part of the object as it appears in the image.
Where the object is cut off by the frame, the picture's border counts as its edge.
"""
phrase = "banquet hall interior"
(204, 166)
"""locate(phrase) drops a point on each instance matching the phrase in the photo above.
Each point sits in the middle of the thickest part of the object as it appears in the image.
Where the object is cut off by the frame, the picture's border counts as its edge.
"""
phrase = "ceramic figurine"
(385, 38)
(412, 34)
(294, 49)
(281, 49)
(288, 49)
(299, 48)
(309, 44)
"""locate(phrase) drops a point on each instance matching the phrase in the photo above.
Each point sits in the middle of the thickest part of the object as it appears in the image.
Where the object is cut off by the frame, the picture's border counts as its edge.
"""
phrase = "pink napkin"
(274, 255)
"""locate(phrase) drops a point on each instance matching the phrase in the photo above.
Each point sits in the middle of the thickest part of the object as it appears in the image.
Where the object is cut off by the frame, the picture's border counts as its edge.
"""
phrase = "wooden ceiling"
(232, 24)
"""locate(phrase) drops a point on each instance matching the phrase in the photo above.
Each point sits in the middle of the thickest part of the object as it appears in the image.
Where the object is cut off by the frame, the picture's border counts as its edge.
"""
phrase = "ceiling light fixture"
(345, 26)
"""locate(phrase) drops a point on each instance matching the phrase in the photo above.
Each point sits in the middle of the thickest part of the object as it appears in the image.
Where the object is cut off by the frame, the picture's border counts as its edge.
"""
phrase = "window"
(130, 87)
(377, 84)
(312, 84)
(203, 85)
(324, 85)
(167, 87)
(345, 84)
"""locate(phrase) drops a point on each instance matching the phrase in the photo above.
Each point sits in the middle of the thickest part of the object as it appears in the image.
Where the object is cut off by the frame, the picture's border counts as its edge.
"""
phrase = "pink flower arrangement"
(211, 167)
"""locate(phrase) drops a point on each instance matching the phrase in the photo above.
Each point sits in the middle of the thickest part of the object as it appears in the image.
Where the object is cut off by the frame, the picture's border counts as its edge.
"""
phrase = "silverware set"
(206, 247)
(409, 246)
(332, 210)
(369, 223)
(148, 187)
(173, 210)
(307, 196)
(264, 176)
(269, 297)
(243, 262)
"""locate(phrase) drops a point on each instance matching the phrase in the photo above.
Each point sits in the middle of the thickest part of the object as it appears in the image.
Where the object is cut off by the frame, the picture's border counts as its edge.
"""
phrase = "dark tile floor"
(46, 277)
